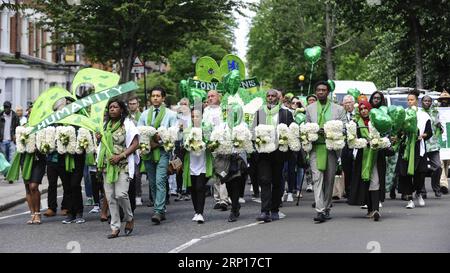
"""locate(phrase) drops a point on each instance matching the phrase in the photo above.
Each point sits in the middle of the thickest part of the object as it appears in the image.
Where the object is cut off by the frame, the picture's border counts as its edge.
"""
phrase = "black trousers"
(347, 167)
(55, 170)
(72, 187)
(233, 189)
(253, 172)
(373, 200)
(198, 192)
(269, 177)
(242, 184)
(436, 171)
(97, 187)
(132, 193)
(409, 184)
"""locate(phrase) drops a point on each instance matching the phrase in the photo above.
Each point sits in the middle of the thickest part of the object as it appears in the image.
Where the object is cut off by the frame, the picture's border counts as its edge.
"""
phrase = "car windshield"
(400, 101)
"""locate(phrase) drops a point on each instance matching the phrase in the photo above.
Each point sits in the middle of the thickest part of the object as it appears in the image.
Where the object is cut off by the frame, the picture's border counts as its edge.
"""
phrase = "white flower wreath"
(265, 138)
(168, 137)
(85, 141)
(145, 135)
(242, 139)
(194, 141)
(334, 137)
(25, 141)
(308, 134)
(352, 138)
(46, 140)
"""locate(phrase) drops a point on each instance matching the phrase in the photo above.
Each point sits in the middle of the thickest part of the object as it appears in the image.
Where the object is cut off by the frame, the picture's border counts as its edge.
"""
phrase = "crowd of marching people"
(181, 150)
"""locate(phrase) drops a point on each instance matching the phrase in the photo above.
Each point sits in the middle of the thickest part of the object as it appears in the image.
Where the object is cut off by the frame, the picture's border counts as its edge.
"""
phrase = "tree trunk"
(418, 50)
(329, 39)
(127, 64)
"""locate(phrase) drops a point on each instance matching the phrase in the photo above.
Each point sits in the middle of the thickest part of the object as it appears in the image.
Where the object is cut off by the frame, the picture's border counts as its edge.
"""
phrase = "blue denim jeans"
(8, 148)
(157, 176)
(300, 179)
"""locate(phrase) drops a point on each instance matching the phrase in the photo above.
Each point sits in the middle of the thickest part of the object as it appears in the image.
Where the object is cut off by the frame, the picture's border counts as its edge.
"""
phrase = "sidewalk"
(14, 194)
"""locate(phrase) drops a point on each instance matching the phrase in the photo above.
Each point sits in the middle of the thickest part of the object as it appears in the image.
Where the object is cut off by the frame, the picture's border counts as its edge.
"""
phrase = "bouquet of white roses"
(294, 137)
(66, 139)
(375, 140)
(45, 140)
(220, 141)
(352, 138)
(334, 137)
(242, 139)
(194, 141)
(85, 141)
(168, 137)
(26, 142)
(283, 137)
(265, 138)
(308, 134)
(145, 135)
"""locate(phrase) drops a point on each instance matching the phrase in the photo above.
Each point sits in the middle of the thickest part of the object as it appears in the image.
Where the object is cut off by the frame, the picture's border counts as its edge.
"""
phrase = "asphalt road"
(400, 230)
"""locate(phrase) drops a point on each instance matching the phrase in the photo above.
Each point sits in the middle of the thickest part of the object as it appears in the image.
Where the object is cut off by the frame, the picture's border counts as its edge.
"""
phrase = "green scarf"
(137, 116)
(13, 173)
(156, 154)
(323, 114)
(369, 155)
(270, 113)
(70, 163)
(186, 168)
(112, 171)
(409, 152)
(90, 160)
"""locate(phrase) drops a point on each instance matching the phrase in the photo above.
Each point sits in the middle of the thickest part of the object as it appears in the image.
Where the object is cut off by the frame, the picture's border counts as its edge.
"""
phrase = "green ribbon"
(14, 170)
(324, 114)
(369, 154)
(112, 171)
(409, 152)
(186, 168)
(69, 162)
(90, 159)
(156, 153)
(270, 113)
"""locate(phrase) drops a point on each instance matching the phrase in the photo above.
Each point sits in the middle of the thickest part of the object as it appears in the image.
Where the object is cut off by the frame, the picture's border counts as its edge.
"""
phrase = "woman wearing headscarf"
(412, 163)
(377, 99)
(116, 160)
(369, 168)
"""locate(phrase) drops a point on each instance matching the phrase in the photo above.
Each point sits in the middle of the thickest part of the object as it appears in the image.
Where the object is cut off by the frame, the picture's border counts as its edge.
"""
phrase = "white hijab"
(422, 119)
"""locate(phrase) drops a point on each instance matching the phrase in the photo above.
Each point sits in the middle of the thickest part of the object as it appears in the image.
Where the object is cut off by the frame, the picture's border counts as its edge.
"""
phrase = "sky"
(242, 30)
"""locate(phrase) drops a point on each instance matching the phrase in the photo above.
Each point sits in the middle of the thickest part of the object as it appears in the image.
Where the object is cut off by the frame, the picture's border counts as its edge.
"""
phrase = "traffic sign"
(138, 66)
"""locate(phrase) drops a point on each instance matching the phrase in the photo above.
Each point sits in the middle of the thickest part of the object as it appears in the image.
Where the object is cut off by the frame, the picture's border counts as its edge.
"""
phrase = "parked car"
(399, 95)
(341, 88)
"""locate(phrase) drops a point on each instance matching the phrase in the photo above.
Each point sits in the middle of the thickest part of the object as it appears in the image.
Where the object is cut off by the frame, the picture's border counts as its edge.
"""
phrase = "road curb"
(14, 203)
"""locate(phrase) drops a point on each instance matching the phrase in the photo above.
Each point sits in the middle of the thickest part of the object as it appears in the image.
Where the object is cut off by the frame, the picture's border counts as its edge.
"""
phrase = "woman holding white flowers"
(116, 159)
(197, 166)
(369, 169)
(412, 163)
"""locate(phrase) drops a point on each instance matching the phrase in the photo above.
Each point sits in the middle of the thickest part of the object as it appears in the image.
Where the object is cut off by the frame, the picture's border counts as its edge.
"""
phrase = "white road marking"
(194, 241)
(43, 207)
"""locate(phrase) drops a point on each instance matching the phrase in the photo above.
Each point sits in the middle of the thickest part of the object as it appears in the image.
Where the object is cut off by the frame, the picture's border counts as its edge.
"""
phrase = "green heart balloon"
(231, 82)
(384, 109)
(196, 94)
(300, 118)
(232, 62)
(184, 88)
(380, 120)
(332, 85)
(410, 124)
(354, 93)
(207, 69)
(234, 115)
(397, 114)
(312, 54)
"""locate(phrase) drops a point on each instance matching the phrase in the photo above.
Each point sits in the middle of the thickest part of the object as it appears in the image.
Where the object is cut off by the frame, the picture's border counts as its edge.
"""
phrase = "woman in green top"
(122, 140)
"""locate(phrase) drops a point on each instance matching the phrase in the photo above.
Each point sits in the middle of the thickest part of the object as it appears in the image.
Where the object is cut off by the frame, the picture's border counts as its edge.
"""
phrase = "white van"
(399, 95)
(341, 88)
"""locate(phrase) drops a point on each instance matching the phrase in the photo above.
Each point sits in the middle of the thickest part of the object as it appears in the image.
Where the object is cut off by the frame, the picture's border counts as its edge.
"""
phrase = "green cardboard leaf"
(86, 78)
(101, 85)
(97, 109)
(104, 76)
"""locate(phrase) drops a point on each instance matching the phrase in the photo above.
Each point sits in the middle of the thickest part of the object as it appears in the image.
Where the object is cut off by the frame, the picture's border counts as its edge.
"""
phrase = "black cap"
(7, 104)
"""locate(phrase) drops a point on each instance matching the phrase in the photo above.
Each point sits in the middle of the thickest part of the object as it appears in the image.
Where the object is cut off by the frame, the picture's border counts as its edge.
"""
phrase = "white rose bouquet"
(85, 141)
(241, 138)
(334, 136)
(265, 138)
(283, 137)
(294, 137)
(46, 140)
(168, 137)
(66, 140)
(220, 141)
(145, 135)
(376, 141)
(308, 134)
(352, 138)
(194, 141)
(26, 142)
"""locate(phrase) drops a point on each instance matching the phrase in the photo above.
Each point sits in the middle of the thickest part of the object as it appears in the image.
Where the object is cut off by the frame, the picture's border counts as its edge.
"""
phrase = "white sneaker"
(96, 209)
(229, 201)
(200, 219)
(281, 215)
(410, 204)
(364, 207)
(290, 198)
(251, 188)
(195, 217)
(380, 205)
(241, 200)
(283, 199)
(420, 200)
(138, 201)
(309, 188)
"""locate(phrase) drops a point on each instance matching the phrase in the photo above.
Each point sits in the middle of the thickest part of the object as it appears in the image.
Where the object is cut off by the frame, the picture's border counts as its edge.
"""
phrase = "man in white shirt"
(213, 115)
(20, 116)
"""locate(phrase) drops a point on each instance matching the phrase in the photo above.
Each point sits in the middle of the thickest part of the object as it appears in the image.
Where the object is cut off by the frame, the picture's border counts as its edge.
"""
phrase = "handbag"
(175, 165)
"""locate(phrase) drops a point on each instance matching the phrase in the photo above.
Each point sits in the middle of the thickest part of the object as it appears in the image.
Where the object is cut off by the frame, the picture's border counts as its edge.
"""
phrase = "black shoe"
(156, 218)
(424, 195)
(404, 197)
(320, 218)
(114, 235)
(444, 190)
(216, 206)
(163, 216)
(69, 219)
(335, 198)
(232, 217)
(150, 204)
(327, 215)
(376, 216)
(275, 216)
(264, 217)
(223, 207)
(255, 195)
(438, 194)
(314, 205)
(392, 195)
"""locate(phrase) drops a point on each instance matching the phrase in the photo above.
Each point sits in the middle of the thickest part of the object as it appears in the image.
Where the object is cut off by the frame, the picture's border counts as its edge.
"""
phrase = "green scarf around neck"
(369, 155)
(323, 115)
(112, 171)
(270, 113)
(187, 171)
(13, 173)
(156, 153)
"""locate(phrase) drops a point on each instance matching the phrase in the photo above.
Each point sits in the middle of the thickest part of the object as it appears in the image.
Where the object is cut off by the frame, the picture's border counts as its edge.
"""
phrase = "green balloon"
(184, 88)
(354, 93)
(410, 124)
(234, 115)
(397, 114)
(312, 54)
(300, 118)
(384, 109)
(380, 120)
(232, 82)
(196, 94)
(332, 85)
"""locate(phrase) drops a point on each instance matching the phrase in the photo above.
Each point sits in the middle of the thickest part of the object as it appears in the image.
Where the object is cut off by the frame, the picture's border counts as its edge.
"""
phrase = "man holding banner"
(157, 162)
